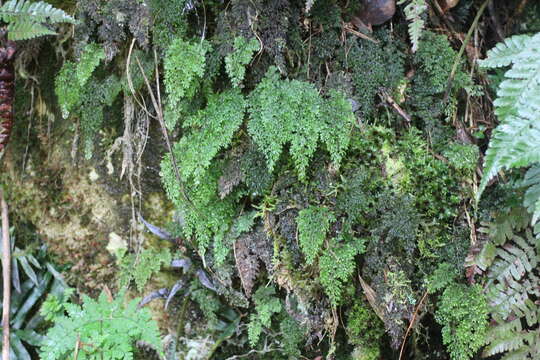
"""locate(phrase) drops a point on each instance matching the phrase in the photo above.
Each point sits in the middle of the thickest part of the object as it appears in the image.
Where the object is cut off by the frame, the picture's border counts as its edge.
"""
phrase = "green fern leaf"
(512, 290)
(25, 19)
(212, 130)
(313, 224)
(184, 66)
(531, 198)
(413, 12)
(24, 30)
(516, 141)
(235, 62)
(292, 112)
(40, 11)
(503, 54)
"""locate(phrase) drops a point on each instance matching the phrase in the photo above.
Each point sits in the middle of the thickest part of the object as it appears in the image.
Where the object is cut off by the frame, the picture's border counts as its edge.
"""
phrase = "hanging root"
(7, 84)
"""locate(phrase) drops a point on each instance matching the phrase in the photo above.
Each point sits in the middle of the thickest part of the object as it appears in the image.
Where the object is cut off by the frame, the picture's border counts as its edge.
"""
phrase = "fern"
(205, 216)
(236, 61)
(26, 19)
(462, 311)
(212, 129)
(512, 290)
(72, 78)
(516, 141)
(102, 329)
(313, 224)
(91, 57)
(142, 266)
(81, 94)
(531, 199)
(97, 95)
(184, 66)
(266, 305)
(336, 266)
(291, 111)
(413, 12)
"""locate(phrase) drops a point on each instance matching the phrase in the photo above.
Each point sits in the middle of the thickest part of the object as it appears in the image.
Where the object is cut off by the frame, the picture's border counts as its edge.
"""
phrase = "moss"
(365, 330)
(374, 67)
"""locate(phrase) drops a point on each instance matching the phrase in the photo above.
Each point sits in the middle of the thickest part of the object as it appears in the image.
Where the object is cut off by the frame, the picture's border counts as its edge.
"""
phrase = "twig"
(462, 49)
(386, 97)
(411, 324)
(159, 112)
(6, 275)
(348, 28)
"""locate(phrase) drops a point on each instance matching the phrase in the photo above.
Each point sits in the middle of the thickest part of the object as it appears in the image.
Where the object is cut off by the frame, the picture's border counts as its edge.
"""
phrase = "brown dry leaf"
(372, 298)
(247, 263)
(232, 176)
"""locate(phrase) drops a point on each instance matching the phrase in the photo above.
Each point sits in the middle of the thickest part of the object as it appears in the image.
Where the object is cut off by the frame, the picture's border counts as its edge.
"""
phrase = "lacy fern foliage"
(313, 224)
(72, 78)
(212, 129)
(99, 329)
(516, 141)
(184, 66)
(141, 267)
(82, 94)
(266, 305)
(26, 19)
(292, 112)
(462, 312)
(236, 61)
(336, 266)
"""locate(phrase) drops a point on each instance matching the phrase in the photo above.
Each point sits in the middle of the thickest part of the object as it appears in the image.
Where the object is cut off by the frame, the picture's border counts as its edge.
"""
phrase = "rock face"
(81, 208)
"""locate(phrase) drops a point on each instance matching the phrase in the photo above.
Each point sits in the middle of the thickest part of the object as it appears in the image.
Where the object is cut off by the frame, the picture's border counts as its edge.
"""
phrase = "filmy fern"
(336, 266)
(141, 267)
(72, 78)
(184, 66)
(236, 61)
(292, 112)
(516, 141)
(99, 329)
(26, 19)
(212, 129)
(82, 94)
(413, 12)
(462, 311)
(205, 216)
(266, 305)
(313, 224)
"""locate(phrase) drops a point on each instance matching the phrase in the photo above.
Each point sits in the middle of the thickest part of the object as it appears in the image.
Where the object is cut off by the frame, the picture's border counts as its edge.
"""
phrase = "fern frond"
(502, 338)
(15, 10)
(512, 291)
(26, 19)
(413, 12)
(24, 30)
(531, 199)
(516, 141)
(503, 54)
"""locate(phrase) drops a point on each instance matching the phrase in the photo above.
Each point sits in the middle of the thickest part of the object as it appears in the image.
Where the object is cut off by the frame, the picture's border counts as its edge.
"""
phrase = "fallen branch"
(6, 275)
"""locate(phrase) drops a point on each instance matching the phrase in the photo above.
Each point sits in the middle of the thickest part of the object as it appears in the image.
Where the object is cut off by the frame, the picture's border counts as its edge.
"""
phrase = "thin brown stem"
(462, 50)
(412, 324)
